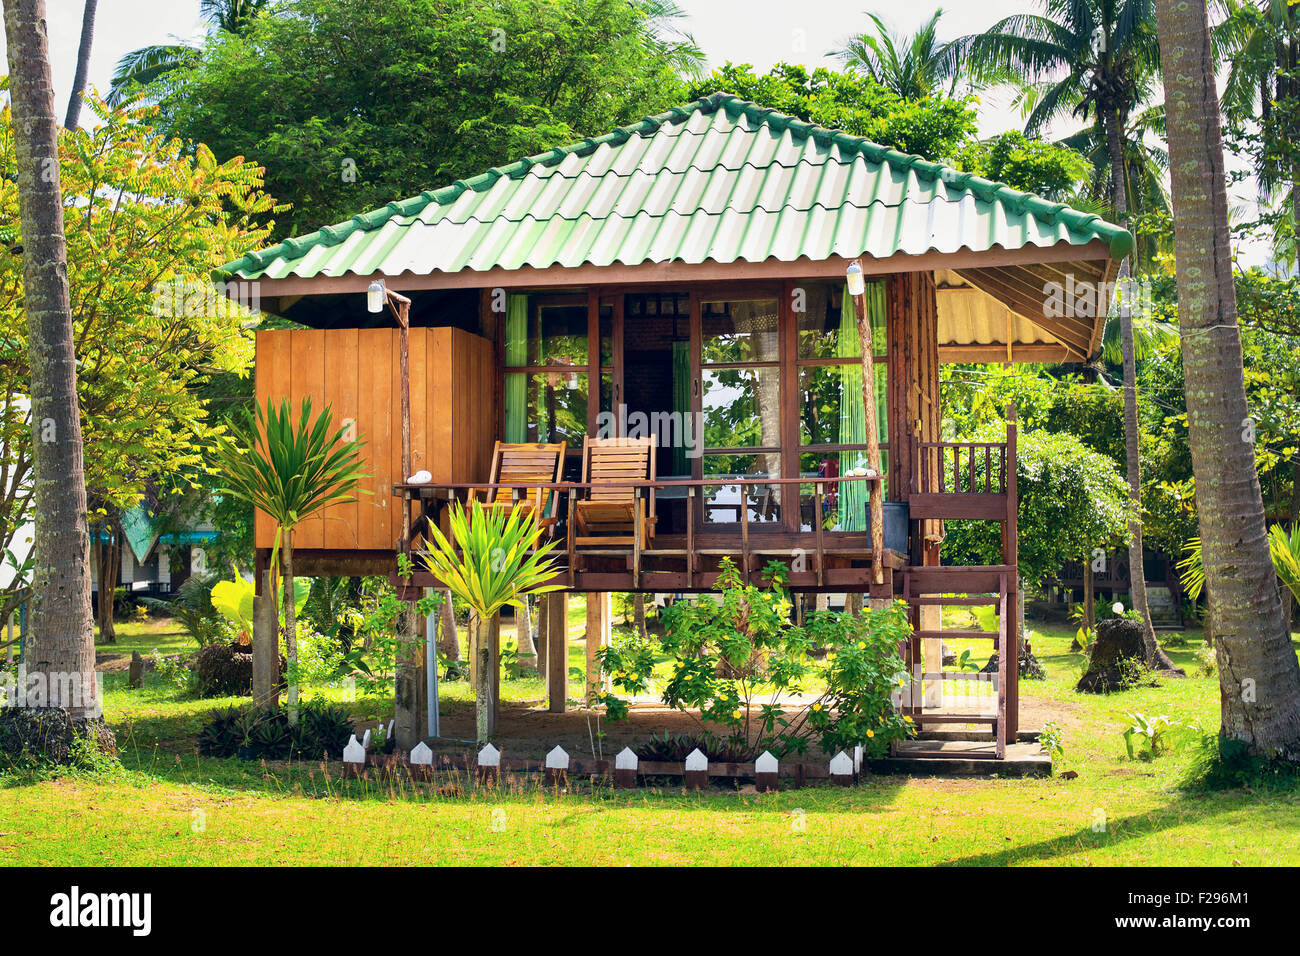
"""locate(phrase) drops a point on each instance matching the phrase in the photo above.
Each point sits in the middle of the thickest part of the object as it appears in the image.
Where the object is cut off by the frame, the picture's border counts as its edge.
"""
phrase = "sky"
(760, 32)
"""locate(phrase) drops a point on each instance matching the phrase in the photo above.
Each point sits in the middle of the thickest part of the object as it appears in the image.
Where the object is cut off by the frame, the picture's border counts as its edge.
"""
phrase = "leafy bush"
(1071, 500)
(319, 656)
(1150, 737)
(1222, 763)
(674, 748)
(725, 653)
(323, 730)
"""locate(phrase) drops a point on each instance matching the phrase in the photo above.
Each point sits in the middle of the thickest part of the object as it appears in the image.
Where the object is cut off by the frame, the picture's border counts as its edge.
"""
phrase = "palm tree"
(1094, 58)
(1259, 41)
(1259, 676)
(83, 64)
(290, 470)
(913, 67)
(62, 629)
(1146, 169)
(145, 66)
(491, 560)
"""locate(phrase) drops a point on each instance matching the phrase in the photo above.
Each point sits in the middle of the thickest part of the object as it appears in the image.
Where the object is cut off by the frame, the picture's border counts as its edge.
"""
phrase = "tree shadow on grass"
(1271, 811)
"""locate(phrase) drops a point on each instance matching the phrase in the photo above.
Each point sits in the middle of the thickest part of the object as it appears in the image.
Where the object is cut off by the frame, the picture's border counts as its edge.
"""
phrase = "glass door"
(737, 344)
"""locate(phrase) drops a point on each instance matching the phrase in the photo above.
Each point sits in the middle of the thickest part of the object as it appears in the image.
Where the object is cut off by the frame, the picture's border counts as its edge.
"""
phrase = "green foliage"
(912, 67)
(497, 558)
(1052, 739)
(353, 103)
(1149, 737)
(146, 221)
(931, 127)
(1222, 763)
(1031, 165)
(1284, 548)
(726, 654)
(1072, 500)
(193, 610)
(322, 731)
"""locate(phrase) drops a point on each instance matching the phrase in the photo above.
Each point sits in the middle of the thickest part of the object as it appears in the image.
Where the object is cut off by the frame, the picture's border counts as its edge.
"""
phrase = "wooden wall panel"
(374, 414)
(340, 521)
(438, 427)
(307, 380)
(453, 415)
(270, 381)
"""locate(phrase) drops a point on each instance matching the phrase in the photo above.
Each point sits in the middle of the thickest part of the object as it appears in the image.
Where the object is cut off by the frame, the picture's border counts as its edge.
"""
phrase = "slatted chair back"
(616, 460)
(525, 463)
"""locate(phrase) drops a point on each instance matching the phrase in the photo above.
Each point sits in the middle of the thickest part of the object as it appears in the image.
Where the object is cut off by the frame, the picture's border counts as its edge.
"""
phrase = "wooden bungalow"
(682, 279)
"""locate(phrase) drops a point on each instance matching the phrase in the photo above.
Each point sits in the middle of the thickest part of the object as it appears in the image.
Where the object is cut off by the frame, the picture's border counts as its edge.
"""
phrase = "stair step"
(956, 601)
(956, 635)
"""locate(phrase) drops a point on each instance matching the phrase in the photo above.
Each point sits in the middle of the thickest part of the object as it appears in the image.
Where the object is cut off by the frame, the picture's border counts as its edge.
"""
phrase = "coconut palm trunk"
(1259, 676)
(62, 626)
(83, 64)
(1154, 655)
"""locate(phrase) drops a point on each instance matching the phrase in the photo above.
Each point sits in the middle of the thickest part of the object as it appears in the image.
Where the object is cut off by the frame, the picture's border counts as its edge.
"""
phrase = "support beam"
(266, 646)
(408, 720)
(557, 652)
(599, 633)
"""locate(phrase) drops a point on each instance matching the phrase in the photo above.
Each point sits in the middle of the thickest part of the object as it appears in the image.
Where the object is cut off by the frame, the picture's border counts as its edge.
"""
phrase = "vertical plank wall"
(357, 372)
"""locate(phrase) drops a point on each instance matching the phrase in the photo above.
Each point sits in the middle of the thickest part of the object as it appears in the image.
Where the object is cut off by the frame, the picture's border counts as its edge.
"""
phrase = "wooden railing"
(749, 549)
(972, 467)
(966, 479)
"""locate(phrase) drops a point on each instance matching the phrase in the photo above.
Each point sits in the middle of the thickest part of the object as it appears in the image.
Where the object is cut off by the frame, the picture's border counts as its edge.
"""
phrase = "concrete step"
(965, 758)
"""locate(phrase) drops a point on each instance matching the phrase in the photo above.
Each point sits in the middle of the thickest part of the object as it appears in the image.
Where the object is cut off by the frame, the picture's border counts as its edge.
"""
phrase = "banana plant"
(492, 559)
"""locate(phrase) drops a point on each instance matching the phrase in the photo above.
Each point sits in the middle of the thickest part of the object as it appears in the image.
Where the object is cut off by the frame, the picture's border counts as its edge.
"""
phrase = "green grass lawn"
(169, 806)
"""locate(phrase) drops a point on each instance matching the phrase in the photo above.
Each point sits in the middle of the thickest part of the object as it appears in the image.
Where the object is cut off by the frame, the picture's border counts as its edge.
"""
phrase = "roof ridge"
(1119, 239)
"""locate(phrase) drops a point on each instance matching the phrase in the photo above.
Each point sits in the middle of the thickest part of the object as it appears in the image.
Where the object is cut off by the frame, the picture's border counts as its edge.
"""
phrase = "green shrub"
(726, 653)
(322, 731)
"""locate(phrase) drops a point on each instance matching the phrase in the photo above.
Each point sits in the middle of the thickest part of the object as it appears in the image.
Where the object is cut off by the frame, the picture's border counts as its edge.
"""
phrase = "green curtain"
(682, 403)
(853, 425)
(516, 354)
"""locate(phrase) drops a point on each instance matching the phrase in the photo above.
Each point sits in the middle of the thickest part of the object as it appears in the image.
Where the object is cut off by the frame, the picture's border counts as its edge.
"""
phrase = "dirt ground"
(527, 730)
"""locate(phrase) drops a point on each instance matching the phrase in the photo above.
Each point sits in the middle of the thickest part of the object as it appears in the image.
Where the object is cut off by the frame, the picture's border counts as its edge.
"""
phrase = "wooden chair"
(618, 515)
(524, 464)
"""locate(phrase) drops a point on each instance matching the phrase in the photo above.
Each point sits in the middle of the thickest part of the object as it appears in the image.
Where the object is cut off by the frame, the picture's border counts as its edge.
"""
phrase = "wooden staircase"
(988, 586)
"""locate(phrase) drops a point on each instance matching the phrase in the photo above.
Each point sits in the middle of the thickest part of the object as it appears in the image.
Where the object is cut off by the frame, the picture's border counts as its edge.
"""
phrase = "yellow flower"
(871, 733)
(636, 676)
(908, 719)
(737, 714)
(817, 707)
(862, 645)
(830, 656)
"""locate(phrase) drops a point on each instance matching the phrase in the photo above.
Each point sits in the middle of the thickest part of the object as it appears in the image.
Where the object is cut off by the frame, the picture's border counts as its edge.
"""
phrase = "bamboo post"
(873, 434)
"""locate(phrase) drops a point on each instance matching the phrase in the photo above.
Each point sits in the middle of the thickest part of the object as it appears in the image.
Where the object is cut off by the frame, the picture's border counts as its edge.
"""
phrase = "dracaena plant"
(290, 466)
(493, 558)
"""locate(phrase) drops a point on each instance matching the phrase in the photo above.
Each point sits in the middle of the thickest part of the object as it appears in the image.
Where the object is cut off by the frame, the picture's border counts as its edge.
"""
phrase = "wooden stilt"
(557, 652)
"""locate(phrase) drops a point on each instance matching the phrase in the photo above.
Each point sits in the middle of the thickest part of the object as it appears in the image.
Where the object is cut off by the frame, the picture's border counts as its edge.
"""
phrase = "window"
(740, 381)
(832, 420)
(546, 372)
